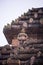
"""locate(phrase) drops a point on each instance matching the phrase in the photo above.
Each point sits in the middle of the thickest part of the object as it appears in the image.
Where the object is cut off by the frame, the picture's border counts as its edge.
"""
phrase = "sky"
(12, 9)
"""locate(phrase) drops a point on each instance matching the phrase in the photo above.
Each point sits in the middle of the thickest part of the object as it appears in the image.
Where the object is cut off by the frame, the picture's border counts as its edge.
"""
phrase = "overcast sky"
(12, 9)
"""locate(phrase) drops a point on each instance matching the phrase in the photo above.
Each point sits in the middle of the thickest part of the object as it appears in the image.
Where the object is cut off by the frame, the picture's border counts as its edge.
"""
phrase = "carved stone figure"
(25, 40)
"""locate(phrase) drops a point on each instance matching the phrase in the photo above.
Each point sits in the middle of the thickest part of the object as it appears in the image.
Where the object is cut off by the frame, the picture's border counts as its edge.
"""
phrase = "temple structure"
(25, 39)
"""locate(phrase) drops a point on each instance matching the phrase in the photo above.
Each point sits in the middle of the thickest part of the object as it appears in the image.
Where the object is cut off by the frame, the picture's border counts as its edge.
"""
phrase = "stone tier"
(22, 55)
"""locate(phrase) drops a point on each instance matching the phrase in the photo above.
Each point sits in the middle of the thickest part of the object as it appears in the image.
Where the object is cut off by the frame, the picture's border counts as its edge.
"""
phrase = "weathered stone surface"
(25, 38)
